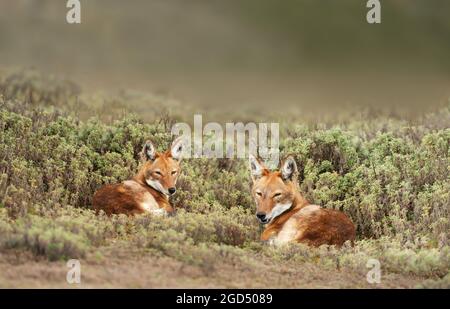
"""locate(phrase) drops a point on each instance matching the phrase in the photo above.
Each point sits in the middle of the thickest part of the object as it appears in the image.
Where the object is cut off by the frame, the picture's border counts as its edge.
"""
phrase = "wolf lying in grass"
(287, 214)
(149, 190)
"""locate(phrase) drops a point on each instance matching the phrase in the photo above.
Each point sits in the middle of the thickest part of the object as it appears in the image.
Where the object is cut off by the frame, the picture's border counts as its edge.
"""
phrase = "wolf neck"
(159, 196)
(275, 226)
(161, 199)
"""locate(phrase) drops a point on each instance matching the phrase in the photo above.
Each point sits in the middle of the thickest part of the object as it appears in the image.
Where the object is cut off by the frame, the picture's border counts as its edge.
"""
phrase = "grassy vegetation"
(390, 176)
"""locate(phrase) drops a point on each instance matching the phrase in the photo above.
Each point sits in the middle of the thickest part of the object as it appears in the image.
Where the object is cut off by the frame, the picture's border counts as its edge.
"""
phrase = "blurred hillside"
(235, 53)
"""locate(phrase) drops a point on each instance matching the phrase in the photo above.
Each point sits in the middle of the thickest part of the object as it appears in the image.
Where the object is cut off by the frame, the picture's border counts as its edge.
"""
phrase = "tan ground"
(124, 269)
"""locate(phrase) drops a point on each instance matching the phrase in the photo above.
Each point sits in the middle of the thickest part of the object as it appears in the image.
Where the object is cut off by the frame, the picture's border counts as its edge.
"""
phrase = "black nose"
(261, 216)
(172, 190)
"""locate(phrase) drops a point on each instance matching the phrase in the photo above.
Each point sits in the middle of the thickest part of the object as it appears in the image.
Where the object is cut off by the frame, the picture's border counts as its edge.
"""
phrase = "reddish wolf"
(287, 215)
(150, 189)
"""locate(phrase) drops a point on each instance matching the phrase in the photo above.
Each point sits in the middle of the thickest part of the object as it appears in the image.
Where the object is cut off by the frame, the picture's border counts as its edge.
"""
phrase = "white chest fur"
(146, 201)
(287, 233)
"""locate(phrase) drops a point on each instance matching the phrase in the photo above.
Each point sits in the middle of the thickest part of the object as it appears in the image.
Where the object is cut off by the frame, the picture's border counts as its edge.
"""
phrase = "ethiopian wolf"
(149, 190)
(287, 215)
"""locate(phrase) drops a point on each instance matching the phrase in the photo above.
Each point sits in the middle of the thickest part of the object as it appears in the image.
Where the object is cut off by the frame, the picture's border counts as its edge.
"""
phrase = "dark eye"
(258, 193)
(174, 172)
(158, 173)
(277, 195)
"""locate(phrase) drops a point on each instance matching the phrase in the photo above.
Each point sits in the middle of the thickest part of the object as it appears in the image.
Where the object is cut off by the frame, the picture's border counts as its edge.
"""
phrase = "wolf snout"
(261, 217)
(172, 190)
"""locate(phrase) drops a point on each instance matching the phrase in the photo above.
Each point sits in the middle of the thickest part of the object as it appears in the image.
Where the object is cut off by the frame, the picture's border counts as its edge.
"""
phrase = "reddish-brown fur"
(136, 196)
(117, 199)
(301, 222)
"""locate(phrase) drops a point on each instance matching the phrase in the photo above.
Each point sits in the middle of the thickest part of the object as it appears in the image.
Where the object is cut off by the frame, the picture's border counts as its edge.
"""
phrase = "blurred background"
(301, 54)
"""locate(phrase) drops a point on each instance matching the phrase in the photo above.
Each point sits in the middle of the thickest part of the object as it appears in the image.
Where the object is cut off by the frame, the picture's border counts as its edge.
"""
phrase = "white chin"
(279, 209)
(157, 186)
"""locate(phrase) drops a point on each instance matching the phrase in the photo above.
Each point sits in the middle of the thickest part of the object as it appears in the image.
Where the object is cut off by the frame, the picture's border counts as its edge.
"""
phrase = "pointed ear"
(257, 169)
(176, 150)
(148, 151)
(288, 168)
